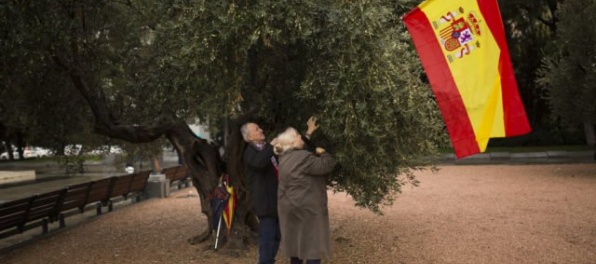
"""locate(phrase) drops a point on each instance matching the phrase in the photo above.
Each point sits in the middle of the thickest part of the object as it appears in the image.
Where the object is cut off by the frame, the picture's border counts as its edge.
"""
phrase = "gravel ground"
(461, 214)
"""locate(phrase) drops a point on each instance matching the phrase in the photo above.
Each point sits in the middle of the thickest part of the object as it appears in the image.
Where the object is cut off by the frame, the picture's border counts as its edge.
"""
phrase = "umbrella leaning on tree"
(228, 213)
(218, 201)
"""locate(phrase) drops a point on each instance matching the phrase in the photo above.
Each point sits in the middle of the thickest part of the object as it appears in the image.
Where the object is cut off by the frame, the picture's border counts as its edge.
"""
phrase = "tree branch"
(106, 124)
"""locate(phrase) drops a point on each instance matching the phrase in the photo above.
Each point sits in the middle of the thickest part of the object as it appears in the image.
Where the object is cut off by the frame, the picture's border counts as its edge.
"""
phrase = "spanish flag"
(462, 47)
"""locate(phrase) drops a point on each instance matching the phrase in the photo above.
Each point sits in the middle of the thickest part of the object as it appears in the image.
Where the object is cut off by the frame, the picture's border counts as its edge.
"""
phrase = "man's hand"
(312, 126)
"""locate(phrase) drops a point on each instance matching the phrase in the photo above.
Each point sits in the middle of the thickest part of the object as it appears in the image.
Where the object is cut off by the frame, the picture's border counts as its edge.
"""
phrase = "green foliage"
(377, 114)
(37, 98)
(71, 164)
(530, 28)
(350, 63)
(569, 74)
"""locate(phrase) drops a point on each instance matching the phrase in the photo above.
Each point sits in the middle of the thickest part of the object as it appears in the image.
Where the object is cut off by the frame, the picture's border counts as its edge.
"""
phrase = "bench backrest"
(170, 172)
(45, 205)
(100, 191)
(139, 182)
(181, 174)
(75, 196)
(121, 185)
(176, 173)
(13, 213)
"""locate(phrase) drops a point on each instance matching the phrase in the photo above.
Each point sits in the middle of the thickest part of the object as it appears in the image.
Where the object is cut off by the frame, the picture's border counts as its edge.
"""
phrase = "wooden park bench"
(127, 186)
(82, 196)
(75, 197)
(169, 172)
(12, 215)
(104, 192)
(99, 193)
(138, 184)
(178, 174)
(39, 210)
(27, 213)
(119, 189)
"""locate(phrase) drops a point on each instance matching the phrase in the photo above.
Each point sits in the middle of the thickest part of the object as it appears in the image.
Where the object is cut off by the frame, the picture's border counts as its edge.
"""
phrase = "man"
(261, 172)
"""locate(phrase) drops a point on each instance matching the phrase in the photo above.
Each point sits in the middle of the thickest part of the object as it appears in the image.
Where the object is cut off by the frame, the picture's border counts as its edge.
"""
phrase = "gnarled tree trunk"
(590, 133)
(201, 158)
(206, 166)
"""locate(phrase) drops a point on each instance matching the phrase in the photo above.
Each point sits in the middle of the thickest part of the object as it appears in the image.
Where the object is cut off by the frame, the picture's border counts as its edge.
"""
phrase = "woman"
(302, 199)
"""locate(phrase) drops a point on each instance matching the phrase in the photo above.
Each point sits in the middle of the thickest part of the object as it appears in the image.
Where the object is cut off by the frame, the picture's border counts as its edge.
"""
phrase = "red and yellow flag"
(463, 50)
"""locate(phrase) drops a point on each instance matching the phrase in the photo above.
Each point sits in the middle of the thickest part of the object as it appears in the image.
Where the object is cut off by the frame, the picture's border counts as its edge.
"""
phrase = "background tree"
(568, 75)
(531, 28)
(38, 105)
(145, 67)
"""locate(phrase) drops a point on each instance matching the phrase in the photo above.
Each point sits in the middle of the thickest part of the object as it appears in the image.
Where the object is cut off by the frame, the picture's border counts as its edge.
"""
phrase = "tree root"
(200, 238)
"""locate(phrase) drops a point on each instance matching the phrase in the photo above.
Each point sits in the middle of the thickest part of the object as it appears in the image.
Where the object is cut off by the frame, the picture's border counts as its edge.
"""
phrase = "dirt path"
(462, 214)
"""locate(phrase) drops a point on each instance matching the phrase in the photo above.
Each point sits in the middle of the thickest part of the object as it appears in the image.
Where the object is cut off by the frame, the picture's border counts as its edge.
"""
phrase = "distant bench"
(102, 193)
(178, 175)
(38, 210)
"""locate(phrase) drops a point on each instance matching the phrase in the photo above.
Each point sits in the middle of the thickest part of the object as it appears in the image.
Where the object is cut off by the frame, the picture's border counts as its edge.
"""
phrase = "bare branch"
(106, 124)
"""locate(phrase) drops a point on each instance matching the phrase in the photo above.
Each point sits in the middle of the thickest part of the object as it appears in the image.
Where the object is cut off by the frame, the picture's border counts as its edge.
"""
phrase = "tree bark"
(590, 133)
(204, 164)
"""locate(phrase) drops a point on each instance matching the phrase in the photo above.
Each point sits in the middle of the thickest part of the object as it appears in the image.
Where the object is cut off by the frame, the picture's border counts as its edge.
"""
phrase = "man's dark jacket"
(262, 181)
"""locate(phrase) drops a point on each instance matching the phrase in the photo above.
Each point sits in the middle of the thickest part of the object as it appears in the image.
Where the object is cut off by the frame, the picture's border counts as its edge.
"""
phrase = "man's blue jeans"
(269, 237)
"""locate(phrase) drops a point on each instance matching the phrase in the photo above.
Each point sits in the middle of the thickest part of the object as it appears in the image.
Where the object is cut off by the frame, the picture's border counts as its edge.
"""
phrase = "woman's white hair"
(285, 141)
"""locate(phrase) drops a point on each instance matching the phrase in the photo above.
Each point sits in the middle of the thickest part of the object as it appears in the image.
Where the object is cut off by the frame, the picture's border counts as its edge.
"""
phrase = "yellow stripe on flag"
(476, 70)
(463, 49)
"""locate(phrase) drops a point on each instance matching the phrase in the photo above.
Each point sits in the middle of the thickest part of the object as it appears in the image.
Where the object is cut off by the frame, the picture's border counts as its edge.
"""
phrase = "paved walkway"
(26, 190)
(543, 157)
(49, 176)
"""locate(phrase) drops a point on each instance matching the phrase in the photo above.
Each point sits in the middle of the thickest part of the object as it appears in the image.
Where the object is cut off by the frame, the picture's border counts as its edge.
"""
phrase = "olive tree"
(144, 68)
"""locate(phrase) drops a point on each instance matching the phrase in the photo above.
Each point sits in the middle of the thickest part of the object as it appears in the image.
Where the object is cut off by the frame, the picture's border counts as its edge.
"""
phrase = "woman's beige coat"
(302, 204)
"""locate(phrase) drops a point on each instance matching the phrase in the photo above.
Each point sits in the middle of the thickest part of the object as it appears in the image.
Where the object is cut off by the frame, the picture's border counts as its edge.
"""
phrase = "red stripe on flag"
(516, 121)
(442, 82)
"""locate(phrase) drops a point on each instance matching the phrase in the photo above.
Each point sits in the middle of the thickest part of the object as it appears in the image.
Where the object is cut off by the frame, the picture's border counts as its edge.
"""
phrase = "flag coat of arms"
(463, 50)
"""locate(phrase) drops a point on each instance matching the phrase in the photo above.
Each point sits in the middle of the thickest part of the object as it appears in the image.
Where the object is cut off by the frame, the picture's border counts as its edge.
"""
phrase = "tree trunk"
(245, 233)
(201, 158)
(10, 151)
(590, 133)
(20, 145)
(206, 166)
